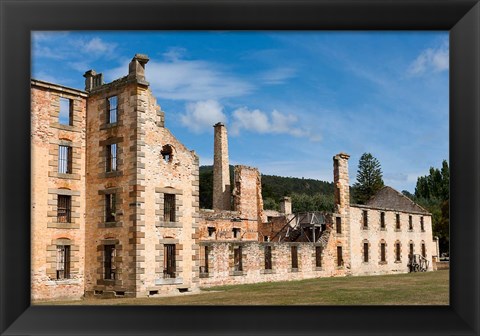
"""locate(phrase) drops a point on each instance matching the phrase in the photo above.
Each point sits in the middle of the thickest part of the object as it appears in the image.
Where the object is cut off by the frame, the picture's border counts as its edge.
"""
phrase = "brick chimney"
(341, 182)
(221, 169)
(92, 80)
(286, 205)
(136, 68)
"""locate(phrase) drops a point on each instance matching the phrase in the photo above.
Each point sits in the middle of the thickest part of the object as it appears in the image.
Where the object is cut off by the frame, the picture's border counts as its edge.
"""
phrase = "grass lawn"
(431, 288)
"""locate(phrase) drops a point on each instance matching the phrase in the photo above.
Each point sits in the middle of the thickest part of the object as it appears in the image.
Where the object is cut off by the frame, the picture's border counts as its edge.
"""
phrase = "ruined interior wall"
(374, 235)
(46, 135)
(178, 176)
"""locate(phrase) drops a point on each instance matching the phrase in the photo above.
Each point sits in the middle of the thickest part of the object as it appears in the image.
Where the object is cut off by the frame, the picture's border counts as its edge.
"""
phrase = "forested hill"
(273, 189)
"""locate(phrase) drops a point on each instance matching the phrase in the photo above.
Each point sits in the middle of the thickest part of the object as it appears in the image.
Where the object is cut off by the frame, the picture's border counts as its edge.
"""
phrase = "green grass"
(431, 288)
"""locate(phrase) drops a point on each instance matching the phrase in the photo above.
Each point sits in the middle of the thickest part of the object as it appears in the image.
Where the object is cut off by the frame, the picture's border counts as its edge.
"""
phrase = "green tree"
(369, 178)
(433, 193)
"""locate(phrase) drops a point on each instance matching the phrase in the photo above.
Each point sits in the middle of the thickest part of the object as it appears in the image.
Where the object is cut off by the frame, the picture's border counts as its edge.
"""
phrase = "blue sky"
(291, 100)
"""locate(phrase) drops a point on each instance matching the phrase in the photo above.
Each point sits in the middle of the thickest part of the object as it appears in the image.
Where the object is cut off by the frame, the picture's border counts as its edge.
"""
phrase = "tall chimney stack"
(221, 169)
(341, 182)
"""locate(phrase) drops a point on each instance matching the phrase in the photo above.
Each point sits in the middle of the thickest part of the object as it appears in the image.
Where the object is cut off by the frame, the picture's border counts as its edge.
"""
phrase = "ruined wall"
(121, 182)
(47, 133)
(176, 174)
(156, 188)
(220, 225)
(374, 235)
(248, 193)
(222, 271)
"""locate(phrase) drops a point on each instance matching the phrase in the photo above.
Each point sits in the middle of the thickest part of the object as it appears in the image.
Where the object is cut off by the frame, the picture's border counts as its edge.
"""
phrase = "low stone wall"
(223, 271)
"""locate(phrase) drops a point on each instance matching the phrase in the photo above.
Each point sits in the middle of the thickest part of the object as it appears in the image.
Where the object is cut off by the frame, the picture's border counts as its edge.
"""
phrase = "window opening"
(110, 207)
(64, 209)
(111, 158)
(63, 261)
(365, 252)
(318, 256)
(112, 108)
(268, 257)
(65, 116)
(109, 262)
(237, 259)
(169, 266)
(64, 159)
(169, 207)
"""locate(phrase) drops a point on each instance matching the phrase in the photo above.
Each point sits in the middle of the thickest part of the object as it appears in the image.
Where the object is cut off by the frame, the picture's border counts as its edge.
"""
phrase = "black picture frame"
(18, 18)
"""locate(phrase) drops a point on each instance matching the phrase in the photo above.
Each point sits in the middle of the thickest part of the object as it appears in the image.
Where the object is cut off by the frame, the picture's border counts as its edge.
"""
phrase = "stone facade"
(51, 180)
(115, 206)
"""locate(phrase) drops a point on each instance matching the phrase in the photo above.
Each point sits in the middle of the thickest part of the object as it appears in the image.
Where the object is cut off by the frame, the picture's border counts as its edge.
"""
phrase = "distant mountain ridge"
(273, 187)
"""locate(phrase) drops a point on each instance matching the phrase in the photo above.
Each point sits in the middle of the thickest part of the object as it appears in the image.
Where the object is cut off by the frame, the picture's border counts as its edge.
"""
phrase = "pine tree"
(369, 178)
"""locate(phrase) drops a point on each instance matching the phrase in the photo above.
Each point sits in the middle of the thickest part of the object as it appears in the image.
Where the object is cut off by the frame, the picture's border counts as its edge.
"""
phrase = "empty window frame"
(410, 252)
(383, 257)
(169, 207)
(338, 222)
(63, 261)
(318, 256)
(112, 109)
(65, 117)
(397, 221)
(424, 252)
(365, 219)
(410, 223)
(339, 256)
(294, 253)
(422, 225)
(365, 252)
(64, 209)
(110, 207)
(204, 268)
(397, 252)
(109, 269)
(382, 220)
(111, 159)
(167, 153)
(211, 231)
(236, 232)
(64, 159)
(169, 262)
(268, 257)
(237, 259)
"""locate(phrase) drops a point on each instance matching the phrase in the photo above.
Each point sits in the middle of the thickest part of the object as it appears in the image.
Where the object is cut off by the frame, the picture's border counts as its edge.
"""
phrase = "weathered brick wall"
(374, 235)
(221, 262)
(248, 193)
(122, 183)
(47, 183)
(223, 223)
(177, 174)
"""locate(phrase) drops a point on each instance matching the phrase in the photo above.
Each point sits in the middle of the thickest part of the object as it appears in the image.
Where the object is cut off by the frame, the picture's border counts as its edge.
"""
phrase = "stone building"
(115, 206)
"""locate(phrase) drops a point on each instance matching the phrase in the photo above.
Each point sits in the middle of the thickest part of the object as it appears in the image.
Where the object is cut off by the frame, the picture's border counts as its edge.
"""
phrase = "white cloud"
(277, 76)
(174, 53)
(202, 115)
(96, 45)
(431, 60)
(257, 121)
(189, 80)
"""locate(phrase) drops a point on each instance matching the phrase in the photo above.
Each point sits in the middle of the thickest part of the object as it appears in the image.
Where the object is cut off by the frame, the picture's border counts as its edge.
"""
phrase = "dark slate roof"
(389, 198)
